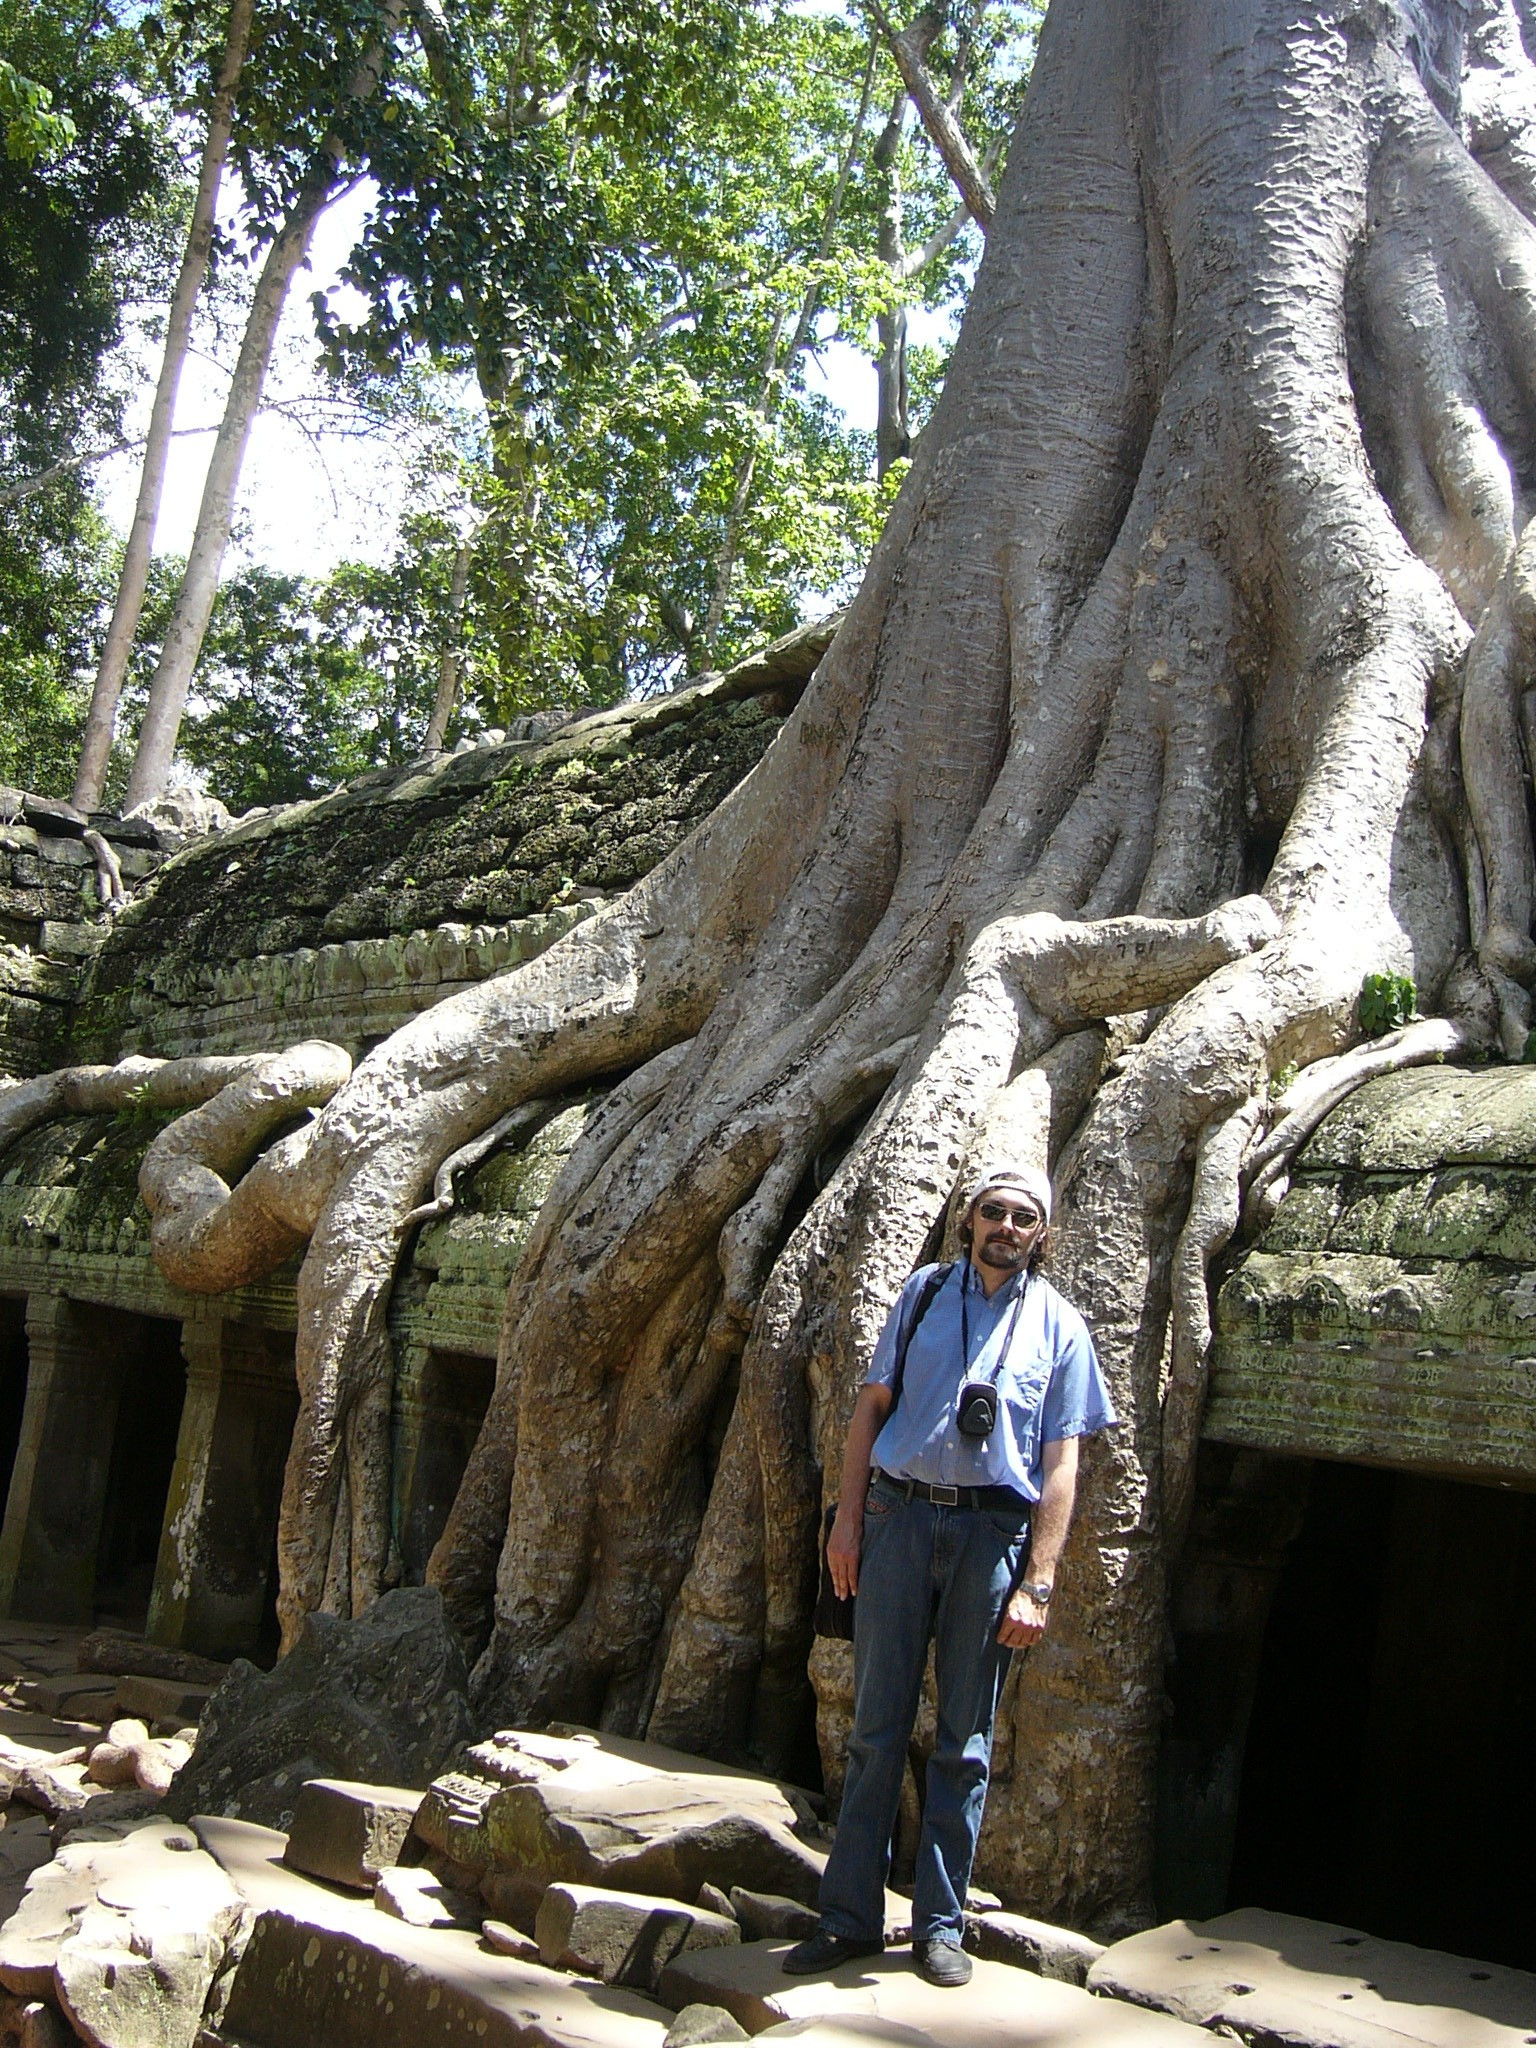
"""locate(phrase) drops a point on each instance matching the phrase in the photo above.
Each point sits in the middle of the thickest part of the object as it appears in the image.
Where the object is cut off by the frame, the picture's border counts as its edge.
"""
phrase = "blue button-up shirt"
(1049, 1385)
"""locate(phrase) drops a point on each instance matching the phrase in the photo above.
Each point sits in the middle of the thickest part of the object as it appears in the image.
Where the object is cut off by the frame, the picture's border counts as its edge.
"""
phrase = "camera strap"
(988, 1378)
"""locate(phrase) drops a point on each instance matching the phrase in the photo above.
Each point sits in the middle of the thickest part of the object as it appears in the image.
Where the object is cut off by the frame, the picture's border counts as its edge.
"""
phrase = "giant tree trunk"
(1137, 750)
(101, 718)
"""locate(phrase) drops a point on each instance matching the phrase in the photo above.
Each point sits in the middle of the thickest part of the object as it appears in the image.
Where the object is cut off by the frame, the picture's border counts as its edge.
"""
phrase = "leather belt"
(957, 1496)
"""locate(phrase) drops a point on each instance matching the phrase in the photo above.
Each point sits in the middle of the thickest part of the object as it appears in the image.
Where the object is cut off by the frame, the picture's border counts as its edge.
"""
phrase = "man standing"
(957, 1490)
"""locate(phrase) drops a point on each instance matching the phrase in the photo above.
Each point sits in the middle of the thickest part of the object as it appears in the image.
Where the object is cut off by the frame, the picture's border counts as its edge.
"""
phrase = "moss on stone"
(486, 838)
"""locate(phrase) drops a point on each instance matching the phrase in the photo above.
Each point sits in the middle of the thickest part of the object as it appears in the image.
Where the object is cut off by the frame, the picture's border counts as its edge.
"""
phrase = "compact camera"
(977, 1410)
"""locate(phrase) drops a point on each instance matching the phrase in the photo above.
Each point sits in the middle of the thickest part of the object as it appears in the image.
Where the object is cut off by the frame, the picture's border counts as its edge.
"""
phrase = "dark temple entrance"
(1388, 1778)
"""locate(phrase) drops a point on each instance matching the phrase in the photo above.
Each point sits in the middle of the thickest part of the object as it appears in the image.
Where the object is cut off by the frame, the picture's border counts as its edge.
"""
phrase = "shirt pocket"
(1023, 1384)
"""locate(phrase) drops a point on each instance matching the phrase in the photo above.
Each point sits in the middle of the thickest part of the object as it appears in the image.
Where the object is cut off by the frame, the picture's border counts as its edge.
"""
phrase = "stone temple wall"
(338, 919)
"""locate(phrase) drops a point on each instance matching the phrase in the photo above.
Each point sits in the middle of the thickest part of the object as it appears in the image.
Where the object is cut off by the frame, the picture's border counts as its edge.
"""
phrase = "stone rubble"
(142, 1932)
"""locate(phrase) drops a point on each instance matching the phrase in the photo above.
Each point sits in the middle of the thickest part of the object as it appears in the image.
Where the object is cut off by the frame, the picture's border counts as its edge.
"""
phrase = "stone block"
(663, 1833)
(346, 1833)
(620, 1937)
(1276, 1977)
(340, 1975)
(999, 2008)
(698, 2025)
(67, 1697)
(161, 1699)
(1055, 1952)
(848, 2030)
(507, 1941)
(422, 1900)
(764, 1916)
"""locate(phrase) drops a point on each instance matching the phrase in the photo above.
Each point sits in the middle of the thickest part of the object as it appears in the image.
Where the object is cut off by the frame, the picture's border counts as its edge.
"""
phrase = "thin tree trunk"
(448, 665)
(893, 436)
(101, 719)
(200, 583)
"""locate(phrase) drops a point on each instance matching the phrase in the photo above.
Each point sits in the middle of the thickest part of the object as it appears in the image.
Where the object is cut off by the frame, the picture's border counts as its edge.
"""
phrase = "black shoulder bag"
(834, 1614)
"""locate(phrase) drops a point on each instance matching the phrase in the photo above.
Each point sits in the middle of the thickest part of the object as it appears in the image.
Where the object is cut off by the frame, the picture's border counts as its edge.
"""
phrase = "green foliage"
(303, 683)
(1386, 1003)
(82, 234)
(1528, 1051)
(33, 132)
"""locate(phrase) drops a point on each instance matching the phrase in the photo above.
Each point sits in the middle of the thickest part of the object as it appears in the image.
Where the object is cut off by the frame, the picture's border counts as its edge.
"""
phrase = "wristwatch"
(1039, 1594)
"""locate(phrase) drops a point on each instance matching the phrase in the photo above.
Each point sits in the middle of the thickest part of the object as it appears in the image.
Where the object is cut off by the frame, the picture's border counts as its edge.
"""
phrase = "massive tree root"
(1142, 744)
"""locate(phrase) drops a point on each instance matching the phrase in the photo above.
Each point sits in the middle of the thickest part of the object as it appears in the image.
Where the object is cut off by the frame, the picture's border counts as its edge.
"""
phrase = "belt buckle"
(944, 1496)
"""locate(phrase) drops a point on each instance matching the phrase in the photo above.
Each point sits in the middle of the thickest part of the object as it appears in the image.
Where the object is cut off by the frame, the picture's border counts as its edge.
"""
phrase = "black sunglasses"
(999, 1212)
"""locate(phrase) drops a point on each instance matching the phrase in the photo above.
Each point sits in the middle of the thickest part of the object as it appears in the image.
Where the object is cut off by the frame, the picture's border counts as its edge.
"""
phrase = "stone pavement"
(1000, 2007)
(1266, 1976)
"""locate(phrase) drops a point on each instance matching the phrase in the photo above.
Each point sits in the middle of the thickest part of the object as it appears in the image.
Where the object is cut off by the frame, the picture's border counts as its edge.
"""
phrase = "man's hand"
(1024, 1622)
(843, 1547)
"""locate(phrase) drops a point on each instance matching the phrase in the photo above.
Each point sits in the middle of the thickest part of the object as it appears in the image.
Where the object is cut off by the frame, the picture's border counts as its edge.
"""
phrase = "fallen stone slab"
(1278, 1977)
(57, 1789)
(665, 1833)
(622, 1938)
(346, 1833)
(452, 1817)
(161, 1699)
(847, 2030)
(127, 1934)
(120, 1654)
(507, 1941)
(765, 1916)
(68, 1697)
(423, 1900)
(696, 2026)
(999, 2008)
(54, 1897)
(16, 1757)
(1056, 1952)
(340, 1975)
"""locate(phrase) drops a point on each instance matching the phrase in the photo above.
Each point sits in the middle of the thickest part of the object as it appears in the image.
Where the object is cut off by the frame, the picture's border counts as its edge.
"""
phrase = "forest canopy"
(623, 325)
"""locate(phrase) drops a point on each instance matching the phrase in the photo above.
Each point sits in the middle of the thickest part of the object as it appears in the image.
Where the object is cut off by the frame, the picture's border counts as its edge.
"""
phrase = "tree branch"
(970, 181)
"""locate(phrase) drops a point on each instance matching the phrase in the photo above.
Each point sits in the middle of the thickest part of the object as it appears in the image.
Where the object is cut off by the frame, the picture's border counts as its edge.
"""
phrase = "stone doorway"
(13, 1381)
(1353, 1731)
(139, 1475)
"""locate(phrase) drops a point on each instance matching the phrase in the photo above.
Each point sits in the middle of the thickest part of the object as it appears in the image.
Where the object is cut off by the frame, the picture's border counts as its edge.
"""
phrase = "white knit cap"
(1024, 1180)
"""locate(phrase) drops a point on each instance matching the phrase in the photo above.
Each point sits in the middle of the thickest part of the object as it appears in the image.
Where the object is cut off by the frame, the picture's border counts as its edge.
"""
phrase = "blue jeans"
(924, 1571)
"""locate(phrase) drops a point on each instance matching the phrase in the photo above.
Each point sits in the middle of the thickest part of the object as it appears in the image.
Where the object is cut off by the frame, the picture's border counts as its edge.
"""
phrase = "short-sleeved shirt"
(1049, 1384)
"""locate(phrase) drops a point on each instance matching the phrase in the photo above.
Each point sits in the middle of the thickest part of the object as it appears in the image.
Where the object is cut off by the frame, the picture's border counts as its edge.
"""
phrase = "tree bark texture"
(1144, 740)
(101, 719)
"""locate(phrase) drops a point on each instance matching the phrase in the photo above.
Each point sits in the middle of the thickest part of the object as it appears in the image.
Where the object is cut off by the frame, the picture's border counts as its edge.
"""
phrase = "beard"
(1004, 1253)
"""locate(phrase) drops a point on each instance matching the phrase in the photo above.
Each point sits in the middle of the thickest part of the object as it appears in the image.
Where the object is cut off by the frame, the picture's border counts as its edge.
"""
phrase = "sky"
(304, 507)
